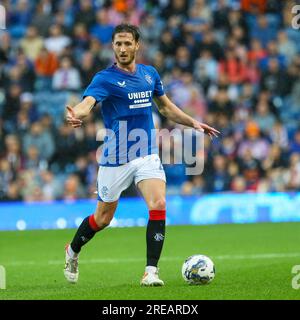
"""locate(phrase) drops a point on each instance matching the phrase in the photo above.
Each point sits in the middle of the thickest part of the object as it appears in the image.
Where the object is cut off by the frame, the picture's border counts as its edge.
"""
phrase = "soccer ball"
(198, 269)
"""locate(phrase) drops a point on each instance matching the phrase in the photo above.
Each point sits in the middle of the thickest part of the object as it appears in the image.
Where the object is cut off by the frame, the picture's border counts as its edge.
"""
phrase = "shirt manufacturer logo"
(122, 84)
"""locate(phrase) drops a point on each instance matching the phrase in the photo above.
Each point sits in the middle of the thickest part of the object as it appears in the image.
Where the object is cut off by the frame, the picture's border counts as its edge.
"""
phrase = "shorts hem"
(147, 178)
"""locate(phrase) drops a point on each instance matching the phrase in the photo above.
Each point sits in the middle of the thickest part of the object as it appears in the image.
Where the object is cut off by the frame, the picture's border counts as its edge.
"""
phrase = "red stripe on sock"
(157, 215)
(92, 223)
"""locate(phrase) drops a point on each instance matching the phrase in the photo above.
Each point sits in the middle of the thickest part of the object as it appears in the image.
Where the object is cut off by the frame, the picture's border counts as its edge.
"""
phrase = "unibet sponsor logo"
(140, 95)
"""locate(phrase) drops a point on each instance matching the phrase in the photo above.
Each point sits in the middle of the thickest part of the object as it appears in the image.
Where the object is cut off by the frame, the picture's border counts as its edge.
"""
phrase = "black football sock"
(155, 236)
(85, 233)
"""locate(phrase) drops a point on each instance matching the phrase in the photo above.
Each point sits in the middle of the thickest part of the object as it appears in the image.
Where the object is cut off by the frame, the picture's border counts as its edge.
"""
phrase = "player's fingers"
(69, 118)
(72, 120)
(214, 130)
(71, 111)
(214, 133)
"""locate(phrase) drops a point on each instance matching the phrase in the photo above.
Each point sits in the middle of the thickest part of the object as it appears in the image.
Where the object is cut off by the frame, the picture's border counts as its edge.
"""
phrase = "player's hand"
(72, 119)
(212, 132)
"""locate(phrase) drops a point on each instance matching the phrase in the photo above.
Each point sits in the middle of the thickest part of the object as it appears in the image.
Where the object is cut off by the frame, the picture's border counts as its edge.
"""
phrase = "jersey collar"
(124, 71)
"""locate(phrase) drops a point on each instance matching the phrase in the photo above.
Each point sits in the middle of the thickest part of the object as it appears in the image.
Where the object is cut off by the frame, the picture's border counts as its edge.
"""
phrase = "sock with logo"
(155, 236)
(85, 233)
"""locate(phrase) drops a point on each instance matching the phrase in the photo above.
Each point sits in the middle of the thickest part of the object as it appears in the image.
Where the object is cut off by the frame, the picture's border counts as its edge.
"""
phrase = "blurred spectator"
(175, 8)
(295, 143)
(274, 159)
(254, 144)
(239, 184)
(234, 68)
(6, 175)
(183, 59)
(73, 189)
(65, 148)
(88, 67)
(13, 154)
(279, 135)
(272, 53)
(42, 18)
(46, 63)
(66, 77)
(286, 47)
(256, 52)
(81, 39)
(251, 169)
(32, 160)
(57, 41)
(292, 174)
(194, 187)
(41, 139)
(206, 68)
(26, 76)
(263, 117)
(275, 80)
(102, 30)
(50, 186)
(85, 14)
(210, 43)
(262, 30)
(12, 193)
(221, 103)
(218, 179)
(27, 106)
(32, 43)
(19, 18)
(11, 105)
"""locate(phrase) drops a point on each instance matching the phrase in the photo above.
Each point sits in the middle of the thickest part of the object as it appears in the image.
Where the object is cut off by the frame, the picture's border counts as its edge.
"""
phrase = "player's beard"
(131, 58)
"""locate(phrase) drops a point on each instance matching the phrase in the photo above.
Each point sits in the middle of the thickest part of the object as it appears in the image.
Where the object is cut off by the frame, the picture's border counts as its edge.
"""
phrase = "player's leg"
(88, 228)
(111, 182)
(92, 224)
(150, 181)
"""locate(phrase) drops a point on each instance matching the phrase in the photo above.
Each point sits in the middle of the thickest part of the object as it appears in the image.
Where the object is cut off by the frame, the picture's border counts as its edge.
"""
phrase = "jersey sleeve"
(97, 88)
(158, 86)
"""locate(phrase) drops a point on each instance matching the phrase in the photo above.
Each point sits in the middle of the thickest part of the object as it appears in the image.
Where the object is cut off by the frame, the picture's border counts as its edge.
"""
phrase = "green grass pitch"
(253, 261)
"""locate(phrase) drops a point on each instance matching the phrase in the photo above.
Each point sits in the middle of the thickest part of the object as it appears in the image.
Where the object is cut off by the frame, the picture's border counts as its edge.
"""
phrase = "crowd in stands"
(232, 64)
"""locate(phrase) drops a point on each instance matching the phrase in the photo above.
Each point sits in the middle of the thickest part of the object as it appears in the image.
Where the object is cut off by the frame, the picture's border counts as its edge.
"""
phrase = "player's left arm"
(169, 110)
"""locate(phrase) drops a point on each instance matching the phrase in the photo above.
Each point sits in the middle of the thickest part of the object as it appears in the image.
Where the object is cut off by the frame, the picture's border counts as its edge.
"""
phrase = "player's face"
(125, 48)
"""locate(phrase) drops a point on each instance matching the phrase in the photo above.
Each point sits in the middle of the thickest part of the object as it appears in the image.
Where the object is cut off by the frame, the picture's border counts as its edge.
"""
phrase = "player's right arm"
(80, 111)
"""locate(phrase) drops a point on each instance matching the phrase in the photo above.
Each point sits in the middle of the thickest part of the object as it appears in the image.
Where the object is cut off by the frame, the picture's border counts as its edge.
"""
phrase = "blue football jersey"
(127, 111)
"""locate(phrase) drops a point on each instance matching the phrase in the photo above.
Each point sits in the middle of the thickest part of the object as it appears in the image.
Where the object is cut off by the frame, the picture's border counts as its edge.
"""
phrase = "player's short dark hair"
(126, 27)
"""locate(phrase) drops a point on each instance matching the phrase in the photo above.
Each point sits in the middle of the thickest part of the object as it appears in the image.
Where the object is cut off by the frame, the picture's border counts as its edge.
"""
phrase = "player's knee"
(159, 204)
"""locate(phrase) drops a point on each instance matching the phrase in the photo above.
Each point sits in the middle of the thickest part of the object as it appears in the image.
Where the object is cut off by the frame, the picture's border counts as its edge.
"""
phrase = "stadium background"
(233, 64)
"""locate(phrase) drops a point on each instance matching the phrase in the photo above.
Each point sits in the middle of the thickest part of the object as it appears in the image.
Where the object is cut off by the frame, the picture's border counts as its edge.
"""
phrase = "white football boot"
(150, 278)
(71, 270)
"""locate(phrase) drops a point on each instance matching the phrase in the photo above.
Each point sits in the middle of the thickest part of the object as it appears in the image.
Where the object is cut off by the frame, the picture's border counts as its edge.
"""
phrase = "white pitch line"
(107, 261)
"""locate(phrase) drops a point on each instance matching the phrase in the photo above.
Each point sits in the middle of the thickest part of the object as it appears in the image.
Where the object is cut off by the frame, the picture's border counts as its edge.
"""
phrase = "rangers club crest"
(148, 78)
